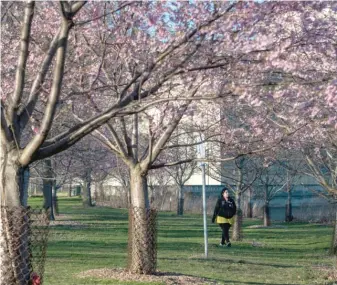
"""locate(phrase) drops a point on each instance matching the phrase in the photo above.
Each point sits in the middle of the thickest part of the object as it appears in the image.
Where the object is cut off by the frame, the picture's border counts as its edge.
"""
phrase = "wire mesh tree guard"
(142, 240)
(23, 242)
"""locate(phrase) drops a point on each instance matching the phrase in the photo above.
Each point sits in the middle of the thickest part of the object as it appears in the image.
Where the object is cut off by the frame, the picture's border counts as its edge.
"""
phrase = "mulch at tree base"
(169, 278)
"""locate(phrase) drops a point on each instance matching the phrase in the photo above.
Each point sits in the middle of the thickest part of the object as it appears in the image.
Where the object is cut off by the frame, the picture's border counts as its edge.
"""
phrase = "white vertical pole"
(202, 154)
(204, 208)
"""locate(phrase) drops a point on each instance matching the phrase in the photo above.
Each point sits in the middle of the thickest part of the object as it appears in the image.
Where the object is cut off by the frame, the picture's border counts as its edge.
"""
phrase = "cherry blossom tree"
(321, 164)
(268, 185)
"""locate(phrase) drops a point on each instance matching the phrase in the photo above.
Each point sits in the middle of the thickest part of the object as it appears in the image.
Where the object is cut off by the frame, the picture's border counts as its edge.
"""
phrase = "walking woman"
(224, 212)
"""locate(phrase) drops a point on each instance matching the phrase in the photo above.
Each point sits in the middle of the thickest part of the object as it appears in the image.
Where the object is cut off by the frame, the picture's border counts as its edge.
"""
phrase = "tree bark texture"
(180, 200)
(237, 227)
(11, 178)
(70, 190)
(55, 200)
(266, 215)
(48, 181)
(249, 210)
(14, 229)
(289, 209)
(87, 190)
(25, 184)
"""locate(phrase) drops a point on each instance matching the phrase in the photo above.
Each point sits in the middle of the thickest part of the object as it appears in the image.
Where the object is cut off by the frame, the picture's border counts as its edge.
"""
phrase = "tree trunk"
(237, 227)
(128, 195)
(47, 189)
(87, 190)
(266, 214)
(333, 249)
(289, 209)
(142, 251)
(14, 229)
(180, 200)
(70, 189)
(152, 194)
(55, 199)
(25, 184)
(249, 212)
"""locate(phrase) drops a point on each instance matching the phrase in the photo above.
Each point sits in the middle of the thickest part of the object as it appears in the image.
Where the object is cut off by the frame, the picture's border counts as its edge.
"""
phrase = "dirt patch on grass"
(168, 278)
(329, 272)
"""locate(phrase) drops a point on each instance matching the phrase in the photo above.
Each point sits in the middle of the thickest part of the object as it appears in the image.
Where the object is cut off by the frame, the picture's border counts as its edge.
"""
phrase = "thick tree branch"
(38, 140)
(26, 111)
(125, 136)
(22, 61)
(65, 140)
(168, 164)
(64, 9)
(135, 138)
(76, 7)
(207, 160)
(6, 134)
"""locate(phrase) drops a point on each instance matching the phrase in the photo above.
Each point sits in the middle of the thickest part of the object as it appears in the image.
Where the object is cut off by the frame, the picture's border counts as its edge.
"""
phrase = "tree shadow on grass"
(229, 282)
(169, 278)
(233, 261)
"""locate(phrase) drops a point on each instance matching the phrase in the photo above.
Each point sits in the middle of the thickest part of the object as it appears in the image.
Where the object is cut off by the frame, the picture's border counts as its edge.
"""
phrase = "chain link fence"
(142, 240)
(23, 242)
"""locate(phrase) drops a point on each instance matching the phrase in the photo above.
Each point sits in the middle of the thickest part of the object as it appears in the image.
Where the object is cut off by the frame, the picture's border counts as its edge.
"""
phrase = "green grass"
(288, 255)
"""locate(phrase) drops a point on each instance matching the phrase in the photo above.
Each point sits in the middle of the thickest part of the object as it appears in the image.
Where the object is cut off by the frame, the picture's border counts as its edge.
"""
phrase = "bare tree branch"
(105, 14)
(157, 148)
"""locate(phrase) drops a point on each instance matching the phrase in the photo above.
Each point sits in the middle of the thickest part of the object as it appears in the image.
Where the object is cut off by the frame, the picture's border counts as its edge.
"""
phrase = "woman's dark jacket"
(225, 209)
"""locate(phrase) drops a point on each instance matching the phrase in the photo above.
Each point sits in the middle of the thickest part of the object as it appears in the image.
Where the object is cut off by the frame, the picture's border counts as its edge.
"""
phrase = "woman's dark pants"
(225, 232)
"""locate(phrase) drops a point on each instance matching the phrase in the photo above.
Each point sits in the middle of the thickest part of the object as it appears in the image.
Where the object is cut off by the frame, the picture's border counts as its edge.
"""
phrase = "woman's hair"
(223, 190)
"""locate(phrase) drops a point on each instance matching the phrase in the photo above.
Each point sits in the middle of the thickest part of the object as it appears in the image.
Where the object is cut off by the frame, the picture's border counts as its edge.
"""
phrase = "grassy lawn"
(97, 238)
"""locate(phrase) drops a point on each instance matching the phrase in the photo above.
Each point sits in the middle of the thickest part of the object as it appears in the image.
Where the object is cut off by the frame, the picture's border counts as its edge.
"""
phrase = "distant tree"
(321, 164)
(270, 182)
(158, 178)
(292, 163)
(180, 173)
